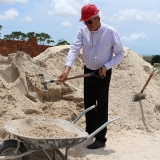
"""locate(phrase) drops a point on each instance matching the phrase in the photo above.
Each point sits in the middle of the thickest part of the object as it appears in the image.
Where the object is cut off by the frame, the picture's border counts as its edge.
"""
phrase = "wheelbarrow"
(20, 147)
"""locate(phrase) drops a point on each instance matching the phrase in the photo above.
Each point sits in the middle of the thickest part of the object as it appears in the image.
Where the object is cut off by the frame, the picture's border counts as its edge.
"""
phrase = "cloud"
(135, 15)
(134, 38)
(66, 24)
(13, 1)
(10, 14)
(67, 7)
(27, 19)
(158, 19)
(127, 15)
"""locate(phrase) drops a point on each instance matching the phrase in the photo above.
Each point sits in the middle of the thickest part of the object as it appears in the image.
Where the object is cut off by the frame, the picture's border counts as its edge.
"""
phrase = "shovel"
(44, 82)
(141, 95)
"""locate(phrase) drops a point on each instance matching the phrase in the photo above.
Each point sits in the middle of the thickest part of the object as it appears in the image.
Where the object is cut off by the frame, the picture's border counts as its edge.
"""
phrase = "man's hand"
(63, 76)
(102, 72)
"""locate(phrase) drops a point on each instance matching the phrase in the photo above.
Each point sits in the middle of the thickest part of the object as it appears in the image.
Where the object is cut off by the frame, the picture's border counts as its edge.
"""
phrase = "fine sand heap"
(46, 130)
(22, 95)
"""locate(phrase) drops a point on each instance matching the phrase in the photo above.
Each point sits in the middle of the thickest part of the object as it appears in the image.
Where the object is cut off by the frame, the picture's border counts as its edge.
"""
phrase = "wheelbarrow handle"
(97, 131)
(85, 111)
(102, 127)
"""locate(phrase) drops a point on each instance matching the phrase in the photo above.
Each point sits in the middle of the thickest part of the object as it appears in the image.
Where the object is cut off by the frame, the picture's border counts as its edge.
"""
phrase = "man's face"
(93, 23)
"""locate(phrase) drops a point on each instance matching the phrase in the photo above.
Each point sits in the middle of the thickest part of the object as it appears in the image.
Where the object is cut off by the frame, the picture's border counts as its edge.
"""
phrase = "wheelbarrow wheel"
(8, 147)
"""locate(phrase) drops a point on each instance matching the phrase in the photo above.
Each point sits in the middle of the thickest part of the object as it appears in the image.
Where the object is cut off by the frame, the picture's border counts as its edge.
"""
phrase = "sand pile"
(46, 130)
(22, 95)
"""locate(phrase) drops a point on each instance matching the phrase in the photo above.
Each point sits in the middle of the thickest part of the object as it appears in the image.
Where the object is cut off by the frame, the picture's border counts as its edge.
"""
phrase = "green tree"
(31, 34)
(19, 35)
(7, 37)
(155, 59)
(16, 36)
(62, 42)
(50, 41)
(42, 38)
(23, 36)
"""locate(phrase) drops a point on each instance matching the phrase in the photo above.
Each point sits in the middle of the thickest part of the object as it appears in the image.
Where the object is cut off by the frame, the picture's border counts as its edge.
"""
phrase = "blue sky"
(137, 22)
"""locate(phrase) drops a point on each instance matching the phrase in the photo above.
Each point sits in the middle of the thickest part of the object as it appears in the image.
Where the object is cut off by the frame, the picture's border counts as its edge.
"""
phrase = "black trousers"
(96, 92)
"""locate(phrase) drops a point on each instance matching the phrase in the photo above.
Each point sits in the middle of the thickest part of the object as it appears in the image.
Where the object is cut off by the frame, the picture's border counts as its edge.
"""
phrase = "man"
(98, 42)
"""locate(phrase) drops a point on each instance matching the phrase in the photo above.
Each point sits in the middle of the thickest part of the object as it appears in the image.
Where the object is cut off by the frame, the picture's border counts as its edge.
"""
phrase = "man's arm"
(64, 75)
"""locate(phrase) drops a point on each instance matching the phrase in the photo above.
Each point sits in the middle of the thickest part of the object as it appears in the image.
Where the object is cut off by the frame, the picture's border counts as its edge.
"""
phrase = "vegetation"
(62, 42)
(42, 38)
(153, 59)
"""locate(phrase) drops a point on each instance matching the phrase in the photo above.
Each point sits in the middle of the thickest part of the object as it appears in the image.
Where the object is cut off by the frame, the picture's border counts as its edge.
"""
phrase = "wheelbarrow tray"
(14, 126)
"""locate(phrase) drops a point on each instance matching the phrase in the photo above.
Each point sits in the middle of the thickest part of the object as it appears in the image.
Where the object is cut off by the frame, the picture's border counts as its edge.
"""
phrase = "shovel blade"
(139, 96)
(43, 82)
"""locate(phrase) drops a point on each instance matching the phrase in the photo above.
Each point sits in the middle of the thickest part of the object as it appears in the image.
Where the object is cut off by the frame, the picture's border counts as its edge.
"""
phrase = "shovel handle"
(84, 75)
(156, 65)
(74, 77)
(79, 76)
(147, 82)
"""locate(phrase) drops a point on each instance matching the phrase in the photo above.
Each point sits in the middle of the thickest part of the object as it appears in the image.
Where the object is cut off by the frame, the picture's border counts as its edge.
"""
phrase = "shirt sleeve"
(74, 50)
(117, 50)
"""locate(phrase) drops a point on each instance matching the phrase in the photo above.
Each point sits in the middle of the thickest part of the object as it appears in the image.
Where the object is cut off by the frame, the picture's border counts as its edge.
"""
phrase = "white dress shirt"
(97, 48)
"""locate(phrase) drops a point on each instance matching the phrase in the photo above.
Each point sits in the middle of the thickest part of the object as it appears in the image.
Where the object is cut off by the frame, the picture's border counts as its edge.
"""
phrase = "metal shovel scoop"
(141, 95)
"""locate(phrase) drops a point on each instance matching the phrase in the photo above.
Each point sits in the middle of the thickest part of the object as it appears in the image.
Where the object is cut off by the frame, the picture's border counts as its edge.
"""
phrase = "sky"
(136, 21)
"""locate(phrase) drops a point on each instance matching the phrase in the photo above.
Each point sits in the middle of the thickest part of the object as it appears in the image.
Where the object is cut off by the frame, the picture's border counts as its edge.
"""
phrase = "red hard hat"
(88, 11)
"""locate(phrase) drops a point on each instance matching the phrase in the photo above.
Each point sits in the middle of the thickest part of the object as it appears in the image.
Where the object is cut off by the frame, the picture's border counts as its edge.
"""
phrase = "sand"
(135, 136)
(44, 129)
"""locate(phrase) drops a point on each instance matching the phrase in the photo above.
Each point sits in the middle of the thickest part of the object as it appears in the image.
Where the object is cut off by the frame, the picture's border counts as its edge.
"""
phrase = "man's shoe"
(96, 144)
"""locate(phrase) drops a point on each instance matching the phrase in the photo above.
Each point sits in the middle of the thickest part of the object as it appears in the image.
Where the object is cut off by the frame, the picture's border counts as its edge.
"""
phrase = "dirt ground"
(125, 145)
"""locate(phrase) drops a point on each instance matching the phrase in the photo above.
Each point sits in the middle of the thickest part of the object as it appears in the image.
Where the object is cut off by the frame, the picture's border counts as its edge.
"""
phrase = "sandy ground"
(135, 136)
(125, 145)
